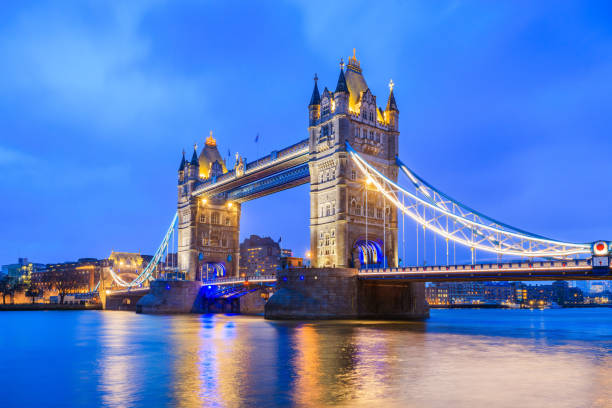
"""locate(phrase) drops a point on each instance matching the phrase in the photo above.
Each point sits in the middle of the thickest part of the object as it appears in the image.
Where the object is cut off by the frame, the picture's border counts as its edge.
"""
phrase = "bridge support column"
(337, 293)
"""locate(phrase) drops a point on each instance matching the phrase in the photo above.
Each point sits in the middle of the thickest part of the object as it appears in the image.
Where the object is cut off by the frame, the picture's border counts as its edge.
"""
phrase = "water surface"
(458, 358)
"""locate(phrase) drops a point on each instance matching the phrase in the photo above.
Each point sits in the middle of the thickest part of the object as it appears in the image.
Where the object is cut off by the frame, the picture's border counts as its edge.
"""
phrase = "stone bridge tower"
(208, 229)
(342, 234)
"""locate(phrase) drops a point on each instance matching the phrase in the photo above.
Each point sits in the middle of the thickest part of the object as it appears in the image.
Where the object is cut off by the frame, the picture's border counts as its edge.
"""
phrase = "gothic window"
(227, 221)
(321, 178)
(325, 110)
(327, 210)
(214, 219)
(358, 209)
(203, 219)
(324, 132)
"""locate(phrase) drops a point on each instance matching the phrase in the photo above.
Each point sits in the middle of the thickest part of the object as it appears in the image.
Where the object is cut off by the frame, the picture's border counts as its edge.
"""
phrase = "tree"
(33, 292)
(6, 288)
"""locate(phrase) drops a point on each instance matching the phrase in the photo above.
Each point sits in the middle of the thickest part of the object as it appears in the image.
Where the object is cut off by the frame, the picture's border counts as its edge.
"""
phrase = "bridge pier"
(169, 296)
(337, 293)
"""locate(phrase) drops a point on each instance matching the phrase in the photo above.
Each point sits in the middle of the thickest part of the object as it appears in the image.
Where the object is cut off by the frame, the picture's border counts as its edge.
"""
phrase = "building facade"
(259, 256)
(351, 224)
(81, 276)
(208, 229)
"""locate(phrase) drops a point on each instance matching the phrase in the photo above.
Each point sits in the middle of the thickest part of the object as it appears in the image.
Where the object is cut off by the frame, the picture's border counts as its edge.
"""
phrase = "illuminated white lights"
(492, 237)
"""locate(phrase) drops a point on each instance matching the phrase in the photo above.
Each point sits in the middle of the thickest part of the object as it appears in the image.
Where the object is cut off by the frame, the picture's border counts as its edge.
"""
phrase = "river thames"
(458, 358)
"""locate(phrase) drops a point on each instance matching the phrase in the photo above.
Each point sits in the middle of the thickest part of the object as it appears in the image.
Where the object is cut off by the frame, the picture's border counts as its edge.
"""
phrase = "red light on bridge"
(600, 248)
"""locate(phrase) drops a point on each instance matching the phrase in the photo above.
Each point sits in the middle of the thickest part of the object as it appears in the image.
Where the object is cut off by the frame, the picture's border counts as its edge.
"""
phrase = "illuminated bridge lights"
(457, 222)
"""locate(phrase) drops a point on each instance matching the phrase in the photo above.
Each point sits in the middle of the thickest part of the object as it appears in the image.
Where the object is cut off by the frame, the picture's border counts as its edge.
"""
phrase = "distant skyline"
(505, 106)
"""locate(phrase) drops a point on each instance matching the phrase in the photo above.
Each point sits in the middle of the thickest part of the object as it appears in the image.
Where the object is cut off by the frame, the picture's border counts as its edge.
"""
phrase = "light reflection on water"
(459, 358)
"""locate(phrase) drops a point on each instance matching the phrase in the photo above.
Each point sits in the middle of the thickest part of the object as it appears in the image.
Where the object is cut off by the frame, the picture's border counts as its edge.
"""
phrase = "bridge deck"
(510, 271)
(271, 165)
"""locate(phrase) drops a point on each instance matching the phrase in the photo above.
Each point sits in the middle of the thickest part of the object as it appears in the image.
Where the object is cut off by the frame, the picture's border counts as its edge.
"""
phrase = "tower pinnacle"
(210, 140)
(341, 86)
(194, 157)
(315, 99)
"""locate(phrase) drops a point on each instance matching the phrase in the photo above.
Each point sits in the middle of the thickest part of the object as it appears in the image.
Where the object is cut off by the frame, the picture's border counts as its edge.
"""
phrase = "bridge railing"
(526, 265)
(273, 157)
(240, 279)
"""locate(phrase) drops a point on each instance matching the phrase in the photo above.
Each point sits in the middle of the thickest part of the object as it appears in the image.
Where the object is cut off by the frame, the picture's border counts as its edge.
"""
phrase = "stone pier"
(170, 296)
(337, 293)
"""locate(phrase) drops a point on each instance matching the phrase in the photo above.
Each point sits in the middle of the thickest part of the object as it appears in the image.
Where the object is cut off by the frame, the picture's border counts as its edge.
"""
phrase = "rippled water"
(459, 358)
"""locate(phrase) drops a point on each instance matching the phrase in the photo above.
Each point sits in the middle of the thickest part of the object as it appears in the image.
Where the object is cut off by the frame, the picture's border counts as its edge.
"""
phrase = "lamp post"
(367, 243)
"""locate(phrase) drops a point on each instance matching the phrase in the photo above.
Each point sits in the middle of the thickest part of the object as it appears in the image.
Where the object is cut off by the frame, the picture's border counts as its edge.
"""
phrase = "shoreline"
(24, 307)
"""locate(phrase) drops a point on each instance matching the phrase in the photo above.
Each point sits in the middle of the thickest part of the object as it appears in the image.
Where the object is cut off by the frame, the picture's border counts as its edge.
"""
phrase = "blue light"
(209, 286)
(167, 287)
(284, 279)
(301, 277)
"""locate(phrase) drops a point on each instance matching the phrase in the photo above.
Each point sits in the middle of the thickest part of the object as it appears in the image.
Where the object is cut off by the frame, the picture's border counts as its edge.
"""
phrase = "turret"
(391, 112)
(194, 164)
(314, 107)
(341, 94)
(181, 170)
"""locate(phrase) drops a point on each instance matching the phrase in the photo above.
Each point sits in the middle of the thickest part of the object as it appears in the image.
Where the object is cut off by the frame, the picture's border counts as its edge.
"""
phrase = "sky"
(504, 105)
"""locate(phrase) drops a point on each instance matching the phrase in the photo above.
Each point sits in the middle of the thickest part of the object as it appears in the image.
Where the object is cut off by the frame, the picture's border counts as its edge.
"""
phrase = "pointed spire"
(182, 162)
(391, 104)
(194, 157)
(341, 87)
(315, 99)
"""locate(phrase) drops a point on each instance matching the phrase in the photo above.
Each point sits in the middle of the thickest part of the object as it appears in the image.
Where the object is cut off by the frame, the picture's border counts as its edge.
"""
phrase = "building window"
(203, 219)
(353, 175)
(227, 221)
(214, 219)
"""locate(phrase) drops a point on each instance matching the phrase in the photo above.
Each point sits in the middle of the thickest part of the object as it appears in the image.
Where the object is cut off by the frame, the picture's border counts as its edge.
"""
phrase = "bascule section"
(352, 224)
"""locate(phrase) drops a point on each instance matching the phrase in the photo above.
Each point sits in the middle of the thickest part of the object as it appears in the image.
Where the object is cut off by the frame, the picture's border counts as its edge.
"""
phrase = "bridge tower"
(208, 227)
(342, 234)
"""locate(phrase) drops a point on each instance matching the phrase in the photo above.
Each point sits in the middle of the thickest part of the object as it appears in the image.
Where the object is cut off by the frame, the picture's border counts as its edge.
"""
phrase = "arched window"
(214, 219)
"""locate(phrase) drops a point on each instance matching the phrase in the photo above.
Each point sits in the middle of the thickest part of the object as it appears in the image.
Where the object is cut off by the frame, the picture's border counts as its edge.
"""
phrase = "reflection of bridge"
(350, 159)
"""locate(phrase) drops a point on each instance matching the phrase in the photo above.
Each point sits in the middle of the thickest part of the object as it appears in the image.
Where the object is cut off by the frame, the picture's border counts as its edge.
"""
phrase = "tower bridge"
(350, 160)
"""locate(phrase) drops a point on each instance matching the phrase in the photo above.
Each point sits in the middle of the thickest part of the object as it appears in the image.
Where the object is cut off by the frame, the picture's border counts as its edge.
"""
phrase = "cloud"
(89, 70)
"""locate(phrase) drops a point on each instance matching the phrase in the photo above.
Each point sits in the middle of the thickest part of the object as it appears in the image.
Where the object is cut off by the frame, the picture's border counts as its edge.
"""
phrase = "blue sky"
(506, 106)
